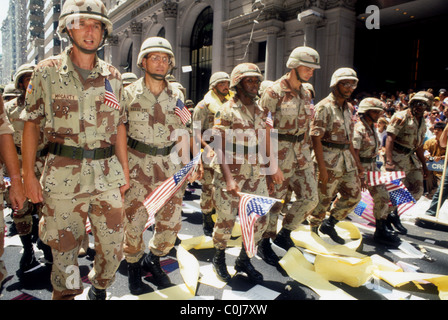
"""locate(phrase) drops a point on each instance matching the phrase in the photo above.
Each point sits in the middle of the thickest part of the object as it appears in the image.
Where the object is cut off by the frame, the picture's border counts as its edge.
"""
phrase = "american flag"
(269, 121)
(364, 208)
(7, 181)
(167, 189)
(251, 207)
(182, 112)
(88, 226)
(400, 196)
(377, 177)
(109, 98)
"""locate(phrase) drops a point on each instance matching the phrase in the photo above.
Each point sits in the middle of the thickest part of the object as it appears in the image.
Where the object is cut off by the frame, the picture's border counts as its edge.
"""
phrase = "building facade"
(216, 35)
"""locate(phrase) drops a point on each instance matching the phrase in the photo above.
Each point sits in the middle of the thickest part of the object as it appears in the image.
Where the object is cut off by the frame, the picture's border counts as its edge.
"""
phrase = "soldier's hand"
(33, 189)
(232, 187)
(17, 196)
(390, 166)
(278, 177)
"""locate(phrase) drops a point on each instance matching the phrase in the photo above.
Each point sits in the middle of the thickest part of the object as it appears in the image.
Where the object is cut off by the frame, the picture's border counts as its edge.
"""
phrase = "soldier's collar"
(67, 65)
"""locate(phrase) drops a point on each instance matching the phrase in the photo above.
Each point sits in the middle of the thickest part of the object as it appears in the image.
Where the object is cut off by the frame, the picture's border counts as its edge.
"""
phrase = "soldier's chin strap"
(156, 76)
(298, 76)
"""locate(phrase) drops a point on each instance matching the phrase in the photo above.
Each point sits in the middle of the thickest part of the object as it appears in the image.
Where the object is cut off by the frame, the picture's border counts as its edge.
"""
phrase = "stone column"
(271, 54)
(170, 15)
(218, 36)
(136, 30)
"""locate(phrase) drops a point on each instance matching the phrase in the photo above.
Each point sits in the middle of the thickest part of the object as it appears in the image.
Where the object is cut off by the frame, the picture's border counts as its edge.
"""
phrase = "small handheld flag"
(251, 208)
(167, 189)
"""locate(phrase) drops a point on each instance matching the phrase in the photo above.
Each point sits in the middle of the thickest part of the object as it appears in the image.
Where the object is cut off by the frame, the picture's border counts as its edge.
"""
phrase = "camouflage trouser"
(62, 227)
(168, 222)
(227, 208)
(414, 174)
(207, 202)
(3, 272)
(303, 184)
(347, 186)
(380, 197)
(147, 173)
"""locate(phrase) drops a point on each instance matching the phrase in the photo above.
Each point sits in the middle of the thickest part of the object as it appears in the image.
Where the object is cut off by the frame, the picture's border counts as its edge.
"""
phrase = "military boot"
(219, 265)
(135, 282)
(242, 264)
(283, 239)
(383, 235)
(327, 227)
(208, 223)
(394, 219)
(266, 253)
(96, 294)
(28, 262)
(151, 263)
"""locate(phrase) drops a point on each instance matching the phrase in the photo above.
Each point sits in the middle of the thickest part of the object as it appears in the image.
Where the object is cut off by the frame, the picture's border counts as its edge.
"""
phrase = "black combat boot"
(135, 282)
(383, 235)
(28, 262)
(283, 239)
(394, 219)
(219, 265)
(208, 223)
(266, 253)
(151, 263)
(96, 294)
(242, 264)
(327, 227)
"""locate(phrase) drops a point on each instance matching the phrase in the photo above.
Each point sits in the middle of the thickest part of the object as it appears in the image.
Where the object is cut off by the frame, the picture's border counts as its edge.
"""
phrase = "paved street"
(431, 243)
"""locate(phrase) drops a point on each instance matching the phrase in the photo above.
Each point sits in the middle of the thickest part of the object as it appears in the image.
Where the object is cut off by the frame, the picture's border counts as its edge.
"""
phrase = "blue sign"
(435, 165)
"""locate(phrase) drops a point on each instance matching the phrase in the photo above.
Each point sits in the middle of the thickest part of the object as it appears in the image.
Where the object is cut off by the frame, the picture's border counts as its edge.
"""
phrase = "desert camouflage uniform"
(72, 112)
(246, 170)
(5, 128)
(204, 113)
(151, 121)
(291, 115)
(409, 134)
(336, 125)
(23, 218)
(367, 142)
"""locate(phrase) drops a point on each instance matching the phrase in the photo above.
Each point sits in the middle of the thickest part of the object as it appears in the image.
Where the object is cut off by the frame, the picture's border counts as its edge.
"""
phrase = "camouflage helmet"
(303, 56)
(128, 77)
(155, 44)
(244, 70)
(343, 74)
(87, 9)
(424, 96)
(371, 104)
(218, 77)
(10, 91)
(23, 69)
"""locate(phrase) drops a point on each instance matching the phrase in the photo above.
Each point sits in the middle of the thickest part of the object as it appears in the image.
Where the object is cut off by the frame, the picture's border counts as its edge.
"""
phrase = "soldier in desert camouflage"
(75, 100)
(204, 115)
(367, 145)
(404, 148)
(338, 168)
(152, 121)
(236, 172)
(23, 219)
(8, 156)
(289, 103)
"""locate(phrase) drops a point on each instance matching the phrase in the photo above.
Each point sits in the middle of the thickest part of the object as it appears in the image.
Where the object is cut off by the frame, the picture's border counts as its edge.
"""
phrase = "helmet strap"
(86, 51)
(298, 76)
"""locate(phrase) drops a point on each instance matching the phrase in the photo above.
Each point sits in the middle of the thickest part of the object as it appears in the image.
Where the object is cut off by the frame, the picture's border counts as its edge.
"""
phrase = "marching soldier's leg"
(207, 202)
(106, 217)
(3, 272)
